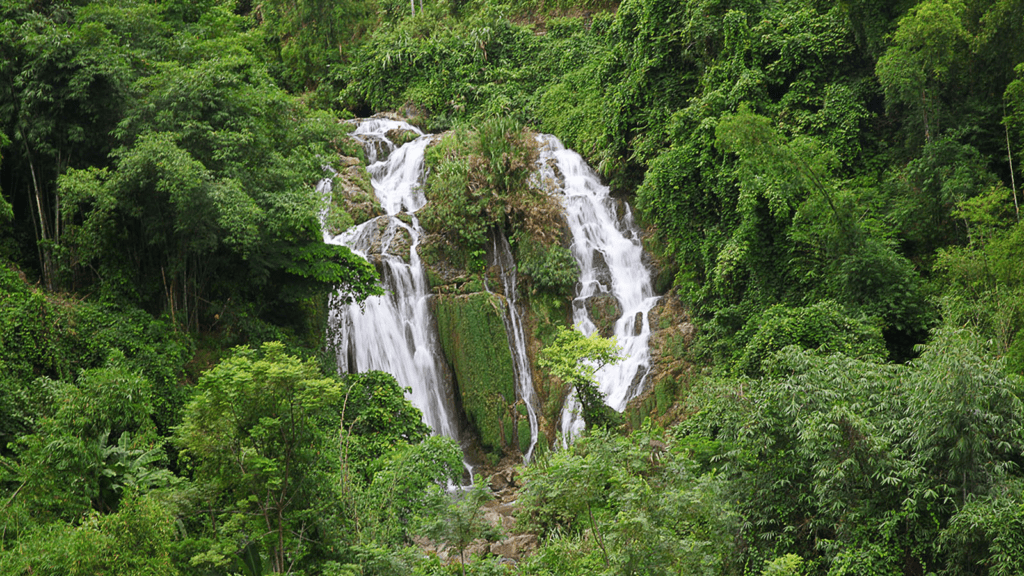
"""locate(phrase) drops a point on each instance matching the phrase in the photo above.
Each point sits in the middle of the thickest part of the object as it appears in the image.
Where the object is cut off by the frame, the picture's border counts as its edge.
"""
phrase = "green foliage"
(457, 519)
(965, 414)
(6, 212)
(927, 49)
(645, 508)
(574, 359)
(257, 435)
(300, 468)
(983, 287)
(808, 166)
(405, 488)
(212, 177)
(48, 339)
(480, 180)
(377, 419)
(788, 565)
(72, 464)
(857, 466)
(306, 38)
(552, 269)
(823, 326)
(136, 541)
(946, 174)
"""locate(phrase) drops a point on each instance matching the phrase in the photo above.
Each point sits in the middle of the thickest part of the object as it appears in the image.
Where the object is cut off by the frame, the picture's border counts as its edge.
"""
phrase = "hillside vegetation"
(831, 193)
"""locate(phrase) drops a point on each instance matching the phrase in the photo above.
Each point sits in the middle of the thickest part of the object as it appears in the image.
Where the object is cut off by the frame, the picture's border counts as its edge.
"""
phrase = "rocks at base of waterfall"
(516, 547)
(499, 515)
(604, 310)
(478, 547)
(513, 548)
(504, 483)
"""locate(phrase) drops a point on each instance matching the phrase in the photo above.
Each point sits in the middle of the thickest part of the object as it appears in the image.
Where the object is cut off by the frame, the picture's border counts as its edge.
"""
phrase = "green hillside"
(830, 193)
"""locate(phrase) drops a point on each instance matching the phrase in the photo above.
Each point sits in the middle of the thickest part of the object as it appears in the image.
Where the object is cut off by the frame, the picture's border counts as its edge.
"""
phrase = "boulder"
(398, 136)
(604, 310)
(516, 547)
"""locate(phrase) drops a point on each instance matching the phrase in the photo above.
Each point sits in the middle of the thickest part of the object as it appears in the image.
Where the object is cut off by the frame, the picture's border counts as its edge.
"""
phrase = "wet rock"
(501, 480)
(399, 136)
(351, 191)
(400, 244)
(378, 149)
(601, 272)
(604, 310)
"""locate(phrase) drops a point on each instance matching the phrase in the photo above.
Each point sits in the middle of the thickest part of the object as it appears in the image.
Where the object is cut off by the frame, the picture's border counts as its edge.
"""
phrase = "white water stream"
(609, 254)
(395, 333)
(516, 337)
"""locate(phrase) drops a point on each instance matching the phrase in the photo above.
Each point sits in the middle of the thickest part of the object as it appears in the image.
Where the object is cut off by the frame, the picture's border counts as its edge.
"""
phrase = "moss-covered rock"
(473, 337)
(604, 310)
(352, 197)
(400, 136)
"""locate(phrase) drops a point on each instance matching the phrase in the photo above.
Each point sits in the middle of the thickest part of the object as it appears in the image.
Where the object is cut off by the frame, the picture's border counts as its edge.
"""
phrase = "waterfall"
(608, 251)
(516, 336)
(395, 333)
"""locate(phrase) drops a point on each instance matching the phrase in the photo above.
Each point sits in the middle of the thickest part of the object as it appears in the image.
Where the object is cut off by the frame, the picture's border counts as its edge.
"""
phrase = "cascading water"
(609, 255)
(396, 332)
(516, 336)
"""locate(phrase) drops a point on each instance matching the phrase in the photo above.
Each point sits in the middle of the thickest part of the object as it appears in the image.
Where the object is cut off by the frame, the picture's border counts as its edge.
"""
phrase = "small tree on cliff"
(575, 358)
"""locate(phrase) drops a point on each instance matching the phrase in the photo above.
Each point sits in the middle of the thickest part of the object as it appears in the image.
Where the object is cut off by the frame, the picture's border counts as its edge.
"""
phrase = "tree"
(210, 199)
(6, 212)
(67, 82)
(458, 518)
(925, 59)
(575, 358)
(99, 439)
(406, 486)
(271, 442)
(258, 434)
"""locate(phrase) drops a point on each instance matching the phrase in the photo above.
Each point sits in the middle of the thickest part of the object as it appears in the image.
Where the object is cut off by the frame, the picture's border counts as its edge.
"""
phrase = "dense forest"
(830, 197)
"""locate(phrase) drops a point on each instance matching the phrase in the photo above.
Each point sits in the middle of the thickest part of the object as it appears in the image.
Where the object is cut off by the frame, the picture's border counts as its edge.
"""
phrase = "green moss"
(524, 434)
(548, 313)
(604, 311)
(474, 285)
(338, 220)
(474, 341)
(665, 394)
